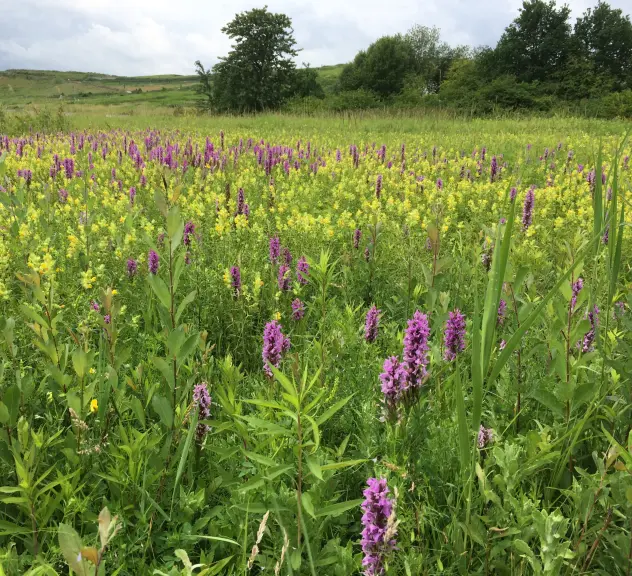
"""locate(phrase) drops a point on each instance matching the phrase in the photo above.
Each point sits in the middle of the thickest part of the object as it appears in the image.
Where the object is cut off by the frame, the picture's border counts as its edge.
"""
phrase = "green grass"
(20, 88)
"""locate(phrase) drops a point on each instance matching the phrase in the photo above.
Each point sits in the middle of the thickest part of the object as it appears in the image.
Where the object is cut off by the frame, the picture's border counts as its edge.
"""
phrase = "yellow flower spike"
(94, 405)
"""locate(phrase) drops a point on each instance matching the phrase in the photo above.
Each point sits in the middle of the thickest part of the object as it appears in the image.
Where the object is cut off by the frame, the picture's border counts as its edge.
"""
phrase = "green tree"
(205, 86)
(537, 44)
(259, 71)
(603, 36)
(306, 83)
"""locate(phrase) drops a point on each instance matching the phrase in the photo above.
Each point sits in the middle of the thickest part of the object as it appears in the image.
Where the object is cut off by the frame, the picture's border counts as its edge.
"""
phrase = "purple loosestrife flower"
(589, 338)
(367, 254)
(485, 436)
(132, 266)
(107, 319)
(439, 184)
(513, 193)
(357, 235)
(298, 310)
(275, 249)
(241, 201)
(202, 400)
(302, 270)
(235, 280)
(416, 348)
(371, 324)
(154, 261)
(502, 344)
(274, 345)
(576, 288)
(284, 281)
(287, 256)
(378, 535)
(189, 230)
(63, 196)
(394, 379)
(378, 186)
(527, 209)
(94, 305)
(502, 312)
(493, 169)
(132, 195)
(454, 337)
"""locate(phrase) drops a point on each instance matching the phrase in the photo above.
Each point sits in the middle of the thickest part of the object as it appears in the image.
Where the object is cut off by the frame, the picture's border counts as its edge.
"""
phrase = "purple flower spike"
(454, 337)
(202, 400)
(378, 519)
(298, 310)
(416, 348)
(154, 261)
(302, 270)
(235, 280)
(527, 209)
(284, 280)
(371, 324)
(275, 249)
(274, 345)
(576, 287)
(132, 267)
(357, 235)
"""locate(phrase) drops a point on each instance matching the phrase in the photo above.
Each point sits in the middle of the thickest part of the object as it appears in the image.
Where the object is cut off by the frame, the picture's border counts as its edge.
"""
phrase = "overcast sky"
(133, 37)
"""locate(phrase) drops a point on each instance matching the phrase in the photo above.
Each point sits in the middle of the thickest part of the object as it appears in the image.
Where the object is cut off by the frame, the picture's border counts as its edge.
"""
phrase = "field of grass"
(288, 345)
(20, 88)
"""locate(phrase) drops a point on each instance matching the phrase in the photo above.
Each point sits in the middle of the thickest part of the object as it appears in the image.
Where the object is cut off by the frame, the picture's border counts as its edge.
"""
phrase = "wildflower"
(606, 235)
(284, 280)
(378, 186)
(367, 254)
(485, 436)
(502, 344)
(275, 249)
(107, 319)
(274, 345)
(527, 209)
(576, 288)
(189, 229)
(357, 235)
(454, 337)
(94, 405)
(377, 509)
(241, 201)
(371, 324)
(95, 306)
(513, 193)
(132, 267)
(287, 256)
(132, 196)
(235, 280)
(439, 184)
(416, 348)
(154, 261)
(394, 379)
(202, 400)
(63, 196)
(302, 270)
(502, 312)
(260, 532)
(587, 342)
(298, 310)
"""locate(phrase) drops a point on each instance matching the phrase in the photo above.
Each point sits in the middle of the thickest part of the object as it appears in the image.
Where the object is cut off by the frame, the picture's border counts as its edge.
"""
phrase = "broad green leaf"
(339, 508)
(327, 414)
(163, 408)
(340, 465)
(314, 467)
(70, 546)
(160, 290)
(190, 297)
(260, 459)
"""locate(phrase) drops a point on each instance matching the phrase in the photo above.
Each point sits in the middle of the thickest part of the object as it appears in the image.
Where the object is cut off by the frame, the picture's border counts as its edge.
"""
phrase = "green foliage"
(258, 73)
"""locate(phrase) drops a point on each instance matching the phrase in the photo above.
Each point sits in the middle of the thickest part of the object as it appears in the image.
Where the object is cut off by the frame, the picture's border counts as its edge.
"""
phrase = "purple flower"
(502, 312)
(416, 348)
(576, 288)
(94, 305)
(485, 436)
(202, 400)
(378, 534)
(357, 235)
(63, 196)
(189, 230)
(378, 186)
(107, 319)
(132, 195)
(302, 270)
(502, 345)
(589, 338)
(235, 280)
(298, 310)
(287, 256)
(274, 345)
(284, 281)
(527, 209)
(275, 249)
(513, 193)
(132, 266)
(439, 184)
(367, 254)
(493, 169)
(371, 324)
(241, 202)
(154, 261)
(454, 337)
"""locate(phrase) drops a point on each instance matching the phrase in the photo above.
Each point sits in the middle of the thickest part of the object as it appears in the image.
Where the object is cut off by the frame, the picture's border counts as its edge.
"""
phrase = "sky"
(143, 37)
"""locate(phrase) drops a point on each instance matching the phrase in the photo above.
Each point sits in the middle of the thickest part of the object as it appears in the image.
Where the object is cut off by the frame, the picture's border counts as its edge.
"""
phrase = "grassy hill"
(23, 87)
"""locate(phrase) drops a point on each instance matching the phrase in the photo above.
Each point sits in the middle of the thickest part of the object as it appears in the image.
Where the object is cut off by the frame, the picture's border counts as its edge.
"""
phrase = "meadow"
(359, 344)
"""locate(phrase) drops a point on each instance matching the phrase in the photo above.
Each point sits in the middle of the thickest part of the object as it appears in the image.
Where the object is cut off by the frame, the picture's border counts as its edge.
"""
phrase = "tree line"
(542, 61)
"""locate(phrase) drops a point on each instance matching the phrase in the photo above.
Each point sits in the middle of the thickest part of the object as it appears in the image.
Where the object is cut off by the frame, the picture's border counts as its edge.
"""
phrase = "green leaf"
(339, 508)
(190, 297)
(218, 567)
(163, 408)
(285, 382)
(340, 465)
(184, 456)
(464, 443)
(188, 347)
(327, 414)
(175, 225)
(306, 501)
(70, 546)
(160, 290)
(314, 467)
(166, 370)
(175, 340)
(4, 414)
(264, 460)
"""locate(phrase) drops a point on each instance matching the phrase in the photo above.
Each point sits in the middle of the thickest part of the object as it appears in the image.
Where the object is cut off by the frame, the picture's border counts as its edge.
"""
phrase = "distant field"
(23, 87)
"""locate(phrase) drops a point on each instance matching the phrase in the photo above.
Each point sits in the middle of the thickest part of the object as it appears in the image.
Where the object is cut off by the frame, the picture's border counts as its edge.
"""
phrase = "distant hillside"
(24, 87)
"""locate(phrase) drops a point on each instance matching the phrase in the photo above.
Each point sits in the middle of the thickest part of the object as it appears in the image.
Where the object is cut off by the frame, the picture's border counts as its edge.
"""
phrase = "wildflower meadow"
(316, 347)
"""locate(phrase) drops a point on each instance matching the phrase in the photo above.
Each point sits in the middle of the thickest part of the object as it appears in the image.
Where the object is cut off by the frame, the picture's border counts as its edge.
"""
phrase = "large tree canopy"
(259, 71)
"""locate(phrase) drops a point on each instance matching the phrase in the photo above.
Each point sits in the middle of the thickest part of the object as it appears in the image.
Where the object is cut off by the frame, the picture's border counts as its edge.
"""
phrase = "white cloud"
(161, 36)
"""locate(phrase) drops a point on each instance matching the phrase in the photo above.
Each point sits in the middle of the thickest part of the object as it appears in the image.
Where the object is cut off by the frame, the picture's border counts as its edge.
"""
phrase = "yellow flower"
(92, 371)
(277, 316)
(94, 405)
